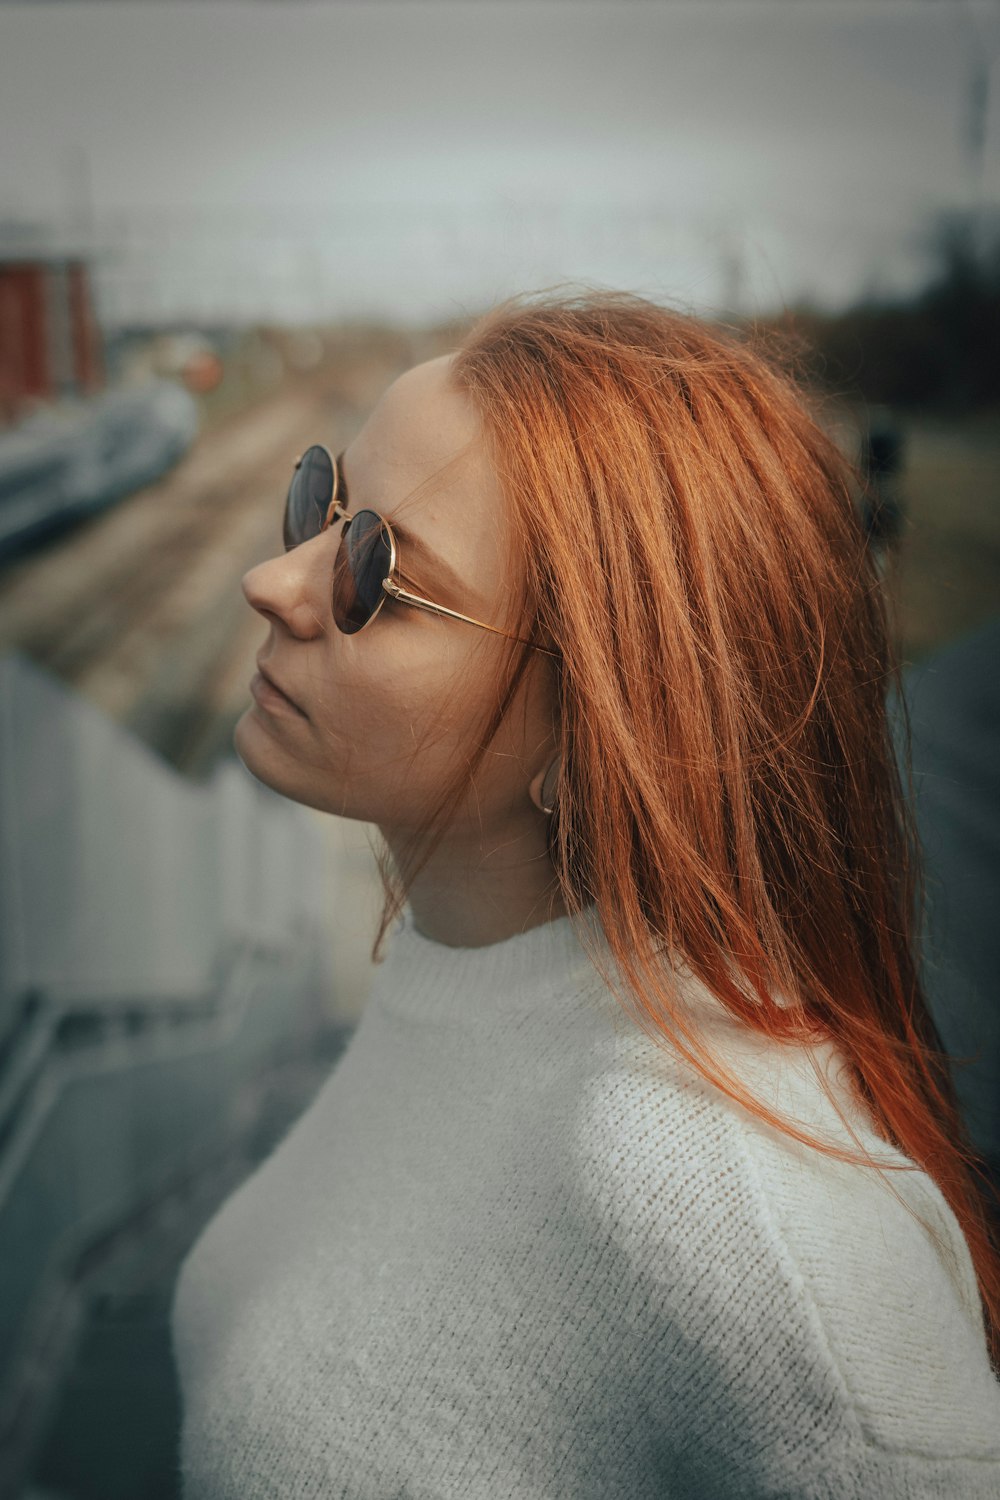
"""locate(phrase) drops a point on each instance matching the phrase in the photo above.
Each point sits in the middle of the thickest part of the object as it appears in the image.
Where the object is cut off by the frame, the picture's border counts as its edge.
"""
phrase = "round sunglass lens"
(363, 560)
(309, 496)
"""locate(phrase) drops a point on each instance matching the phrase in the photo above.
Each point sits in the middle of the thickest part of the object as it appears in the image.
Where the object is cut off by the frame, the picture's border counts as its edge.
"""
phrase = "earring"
(542, 790)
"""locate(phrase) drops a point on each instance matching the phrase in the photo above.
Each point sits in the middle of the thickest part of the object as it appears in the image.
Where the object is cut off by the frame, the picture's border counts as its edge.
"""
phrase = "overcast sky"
(421, 156)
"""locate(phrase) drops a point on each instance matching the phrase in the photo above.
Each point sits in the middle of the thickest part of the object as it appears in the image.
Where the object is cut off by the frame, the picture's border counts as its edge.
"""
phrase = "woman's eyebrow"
(440, 571)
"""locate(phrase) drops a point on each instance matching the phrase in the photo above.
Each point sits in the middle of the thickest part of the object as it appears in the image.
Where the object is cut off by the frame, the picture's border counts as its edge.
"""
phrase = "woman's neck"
(469, 899)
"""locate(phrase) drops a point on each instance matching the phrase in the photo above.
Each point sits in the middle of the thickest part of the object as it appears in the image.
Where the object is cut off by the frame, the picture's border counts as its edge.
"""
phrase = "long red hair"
(729, 783)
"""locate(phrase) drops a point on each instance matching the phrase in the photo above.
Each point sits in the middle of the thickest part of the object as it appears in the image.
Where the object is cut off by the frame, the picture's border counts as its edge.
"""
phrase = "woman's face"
(383, 718)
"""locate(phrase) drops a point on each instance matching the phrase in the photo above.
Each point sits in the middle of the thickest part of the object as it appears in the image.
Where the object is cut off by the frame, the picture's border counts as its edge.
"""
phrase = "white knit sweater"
(514, 1249)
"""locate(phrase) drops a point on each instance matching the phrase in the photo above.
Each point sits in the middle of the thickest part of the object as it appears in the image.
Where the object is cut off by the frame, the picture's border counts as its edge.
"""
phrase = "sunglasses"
(366, 566)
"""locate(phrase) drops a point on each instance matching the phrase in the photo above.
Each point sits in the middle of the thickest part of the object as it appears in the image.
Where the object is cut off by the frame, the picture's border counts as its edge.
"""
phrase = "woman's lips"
(267, 693)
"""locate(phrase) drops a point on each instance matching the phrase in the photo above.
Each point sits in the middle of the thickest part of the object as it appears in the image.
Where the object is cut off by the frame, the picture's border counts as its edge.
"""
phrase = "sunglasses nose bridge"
(334, 512)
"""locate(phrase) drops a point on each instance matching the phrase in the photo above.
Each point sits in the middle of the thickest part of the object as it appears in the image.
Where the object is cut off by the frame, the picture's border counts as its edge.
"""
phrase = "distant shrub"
(934, 349)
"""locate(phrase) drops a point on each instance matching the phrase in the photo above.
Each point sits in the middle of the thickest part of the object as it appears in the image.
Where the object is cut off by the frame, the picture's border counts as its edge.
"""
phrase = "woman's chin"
(255, 747)
(269, 763)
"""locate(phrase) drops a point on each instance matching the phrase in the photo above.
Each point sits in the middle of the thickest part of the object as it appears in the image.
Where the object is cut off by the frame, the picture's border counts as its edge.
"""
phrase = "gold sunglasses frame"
(390, 588)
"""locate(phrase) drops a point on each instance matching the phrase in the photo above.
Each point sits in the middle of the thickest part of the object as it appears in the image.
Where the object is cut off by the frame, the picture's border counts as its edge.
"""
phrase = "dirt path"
(140, 608)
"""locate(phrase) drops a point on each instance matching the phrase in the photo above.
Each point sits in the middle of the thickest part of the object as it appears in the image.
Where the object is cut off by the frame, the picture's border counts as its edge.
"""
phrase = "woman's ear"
(542, 790)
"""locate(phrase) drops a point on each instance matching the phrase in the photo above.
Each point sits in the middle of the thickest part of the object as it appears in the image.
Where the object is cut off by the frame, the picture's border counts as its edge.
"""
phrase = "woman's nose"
(288, 587)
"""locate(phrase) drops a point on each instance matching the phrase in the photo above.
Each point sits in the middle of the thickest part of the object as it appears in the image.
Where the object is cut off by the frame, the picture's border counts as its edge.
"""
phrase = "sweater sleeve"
(788, 1327)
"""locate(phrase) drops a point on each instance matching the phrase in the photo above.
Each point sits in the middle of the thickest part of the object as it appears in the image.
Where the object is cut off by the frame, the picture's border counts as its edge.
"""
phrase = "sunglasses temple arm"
(405, 597)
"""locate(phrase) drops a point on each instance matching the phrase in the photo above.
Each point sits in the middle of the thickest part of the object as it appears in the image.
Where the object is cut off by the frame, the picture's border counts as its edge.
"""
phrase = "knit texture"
(516, 1249)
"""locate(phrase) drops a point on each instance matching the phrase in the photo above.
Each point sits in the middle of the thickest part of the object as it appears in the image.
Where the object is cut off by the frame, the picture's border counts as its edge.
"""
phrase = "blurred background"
(225, 228)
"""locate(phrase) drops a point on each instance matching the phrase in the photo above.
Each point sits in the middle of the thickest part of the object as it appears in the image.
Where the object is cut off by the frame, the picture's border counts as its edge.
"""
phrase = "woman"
(642, 1174)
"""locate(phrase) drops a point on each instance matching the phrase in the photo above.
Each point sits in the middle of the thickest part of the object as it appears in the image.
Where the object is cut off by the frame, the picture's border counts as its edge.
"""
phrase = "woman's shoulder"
(889, 1281)
(758, 1241)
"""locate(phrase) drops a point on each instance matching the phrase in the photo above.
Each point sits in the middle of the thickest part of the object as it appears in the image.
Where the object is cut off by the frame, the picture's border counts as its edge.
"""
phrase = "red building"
(50, 344)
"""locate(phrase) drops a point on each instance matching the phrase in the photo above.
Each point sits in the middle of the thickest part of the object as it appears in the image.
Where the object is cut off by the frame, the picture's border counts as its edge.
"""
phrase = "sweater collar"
(420, 977)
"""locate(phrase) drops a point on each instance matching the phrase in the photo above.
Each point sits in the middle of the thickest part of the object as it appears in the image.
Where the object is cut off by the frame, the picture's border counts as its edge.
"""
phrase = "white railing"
(162, 945)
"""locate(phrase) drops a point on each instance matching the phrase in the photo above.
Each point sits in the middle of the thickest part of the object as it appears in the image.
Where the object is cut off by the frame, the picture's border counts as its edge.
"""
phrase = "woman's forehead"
(419, 459)
(423, 421)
